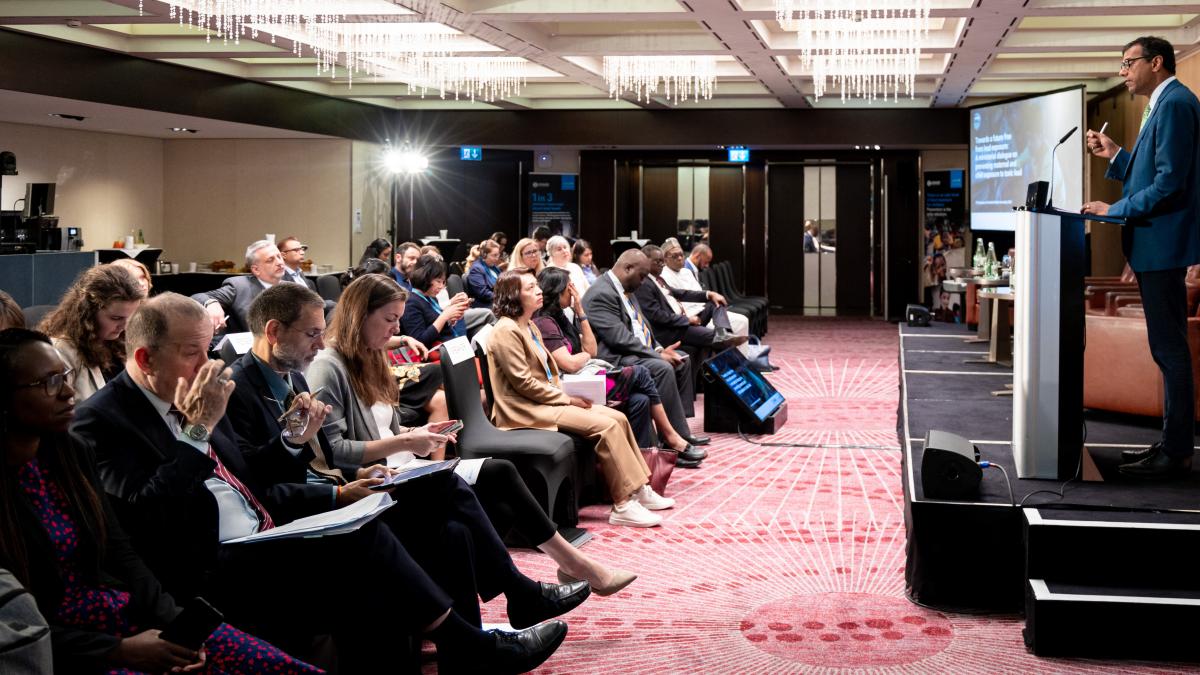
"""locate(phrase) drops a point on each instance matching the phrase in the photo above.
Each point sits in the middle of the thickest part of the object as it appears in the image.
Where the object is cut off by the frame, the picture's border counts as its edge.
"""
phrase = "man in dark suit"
(671, 323)
(1161, 199)
(292, 251)
(229, 305)
(613, 311)
(168, 457)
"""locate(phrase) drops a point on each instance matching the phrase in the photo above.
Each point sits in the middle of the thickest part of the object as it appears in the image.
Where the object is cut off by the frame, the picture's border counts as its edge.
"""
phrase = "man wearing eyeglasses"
(1161, 200)
(293, 253)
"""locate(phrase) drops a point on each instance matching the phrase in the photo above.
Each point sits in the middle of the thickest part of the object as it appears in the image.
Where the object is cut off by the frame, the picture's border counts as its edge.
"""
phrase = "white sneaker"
(633, 514)
(650, 499)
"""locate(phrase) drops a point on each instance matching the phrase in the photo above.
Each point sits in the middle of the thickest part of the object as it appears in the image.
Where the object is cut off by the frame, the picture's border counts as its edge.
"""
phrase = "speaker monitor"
(917, 315)
(1035, 196)
(950, 467)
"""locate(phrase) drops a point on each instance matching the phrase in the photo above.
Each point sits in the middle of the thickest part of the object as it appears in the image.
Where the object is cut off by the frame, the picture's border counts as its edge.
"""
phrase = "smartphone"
(194, 625)
(447, 427)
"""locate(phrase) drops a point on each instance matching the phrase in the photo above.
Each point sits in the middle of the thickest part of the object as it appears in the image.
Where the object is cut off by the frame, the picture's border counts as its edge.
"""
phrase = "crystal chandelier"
(869, 48)
(680, 77)
(486, 78)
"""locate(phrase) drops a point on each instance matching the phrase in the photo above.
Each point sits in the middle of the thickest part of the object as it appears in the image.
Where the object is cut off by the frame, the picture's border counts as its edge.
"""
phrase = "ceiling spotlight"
(180, 130)
(858, 147)
(65, 116)
(876, 146)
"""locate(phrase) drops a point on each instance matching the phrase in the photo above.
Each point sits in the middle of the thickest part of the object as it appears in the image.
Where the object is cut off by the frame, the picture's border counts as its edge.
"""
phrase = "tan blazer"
(523, 397)
(87, 380)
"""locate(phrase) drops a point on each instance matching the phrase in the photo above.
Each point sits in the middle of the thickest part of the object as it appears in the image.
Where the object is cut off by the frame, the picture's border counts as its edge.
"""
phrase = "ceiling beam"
(976, 48)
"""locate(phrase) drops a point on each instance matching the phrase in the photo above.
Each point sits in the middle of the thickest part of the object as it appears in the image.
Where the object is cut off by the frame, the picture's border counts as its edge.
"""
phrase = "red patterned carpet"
(782, 560)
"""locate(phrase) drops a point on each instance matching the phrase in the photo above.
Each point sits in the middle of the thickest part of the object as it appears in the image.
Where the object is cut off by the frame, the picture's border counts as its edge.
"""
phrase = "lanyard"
(546, 363)
(456, 328)
(492, 272)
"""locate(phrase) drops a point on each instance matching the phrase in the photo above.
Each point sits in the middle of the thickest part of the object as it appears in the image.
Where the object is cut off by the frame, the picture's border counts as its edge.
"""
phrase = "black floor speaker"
(949, 467)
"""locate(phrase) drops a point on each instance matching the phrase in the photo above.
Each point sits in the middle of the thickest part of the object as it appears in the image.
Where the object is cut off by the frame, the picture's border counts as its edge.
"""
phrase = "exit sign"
(739, 154)
(470, 153)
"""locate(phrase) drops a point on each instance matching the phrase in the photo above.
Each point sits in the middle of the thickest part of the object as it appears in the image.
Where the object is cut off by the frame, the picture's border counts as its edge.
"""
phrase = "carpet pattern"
(787, 560)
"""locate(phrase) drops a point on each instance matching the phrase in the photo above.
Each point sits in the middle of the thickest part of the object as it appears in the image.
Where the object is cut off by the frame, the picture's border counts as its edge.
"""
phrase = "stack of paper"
(591, 387)
(339, 521)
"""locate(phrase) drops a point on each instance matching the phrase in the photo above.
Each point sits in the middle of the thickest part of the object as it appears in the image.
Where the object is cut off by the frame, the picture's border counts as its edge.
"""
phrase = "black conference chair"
(545, 459)
(455, 284)
(329, 286)
(35, 313)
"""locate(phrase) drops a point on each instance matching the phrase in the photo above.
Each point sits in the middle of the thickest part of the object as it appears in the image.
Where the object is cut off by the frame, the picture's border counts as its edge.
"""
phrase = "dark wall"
(853, 293)
(902, 232)
(785, 236)
(727, 217)
(660, 202)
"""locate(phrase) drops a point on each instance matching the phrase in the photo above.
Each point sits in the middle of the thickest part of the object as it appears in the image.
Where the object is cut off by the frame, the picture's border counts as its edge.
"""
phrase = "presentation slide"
(1010, 148)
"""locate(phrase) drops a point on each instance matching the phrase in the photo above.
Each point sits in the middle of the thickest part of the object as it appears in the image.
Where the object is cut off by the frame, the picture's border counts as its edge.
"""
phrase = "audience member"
(699, 259)
(380, 249)
(168, 457)
(368, 266)
(559, 250)
(483, 273)
(406, 257)
(527, 254)
(228, 305)
(430, 249)
(62, 540)
(812, 233)
(630, 389)
(363, 426)
(292, 252)
(677, 275)
(11, 315)
(88, 326)
(424, 318)
(541, 234)
(502, 239)
(140, 273)
(623, 338)
(528, 395)
(581, 254)
(661, 305)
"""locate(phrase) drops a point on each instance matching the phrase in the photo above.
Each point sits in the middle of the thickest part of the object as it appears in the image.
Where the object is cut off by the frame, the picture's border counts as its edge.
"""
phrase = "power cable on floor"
(829, 446)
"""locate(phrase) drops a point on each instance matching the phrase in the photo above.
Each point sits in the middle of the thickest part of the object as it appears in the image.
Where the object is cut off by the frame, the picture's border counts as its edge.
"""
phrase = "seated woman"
(380, 249)
(572, 345)
(581, 254)
(527, 255)
(88, 326)
(425, 318)
(482, 274)
(62, 540)
(11, 315)
(559, 250)
(363, 426)
(527, 395)
(141, 273)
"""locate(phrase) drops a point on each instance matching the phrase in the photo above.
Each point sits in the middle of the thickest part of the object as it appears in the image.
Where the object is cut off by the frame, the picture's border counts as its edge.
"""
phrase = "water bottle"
(990, 261)
(977, 260)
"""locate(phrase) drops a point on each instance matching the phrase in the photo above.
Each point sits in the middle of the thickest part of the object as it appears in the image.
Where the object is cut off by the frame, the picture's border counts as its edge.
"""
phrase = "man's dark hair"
(651, 249)
(541, 233)
(401, 249)
(506, 297)
(282, 302)
(1155, 46)
(428, 268)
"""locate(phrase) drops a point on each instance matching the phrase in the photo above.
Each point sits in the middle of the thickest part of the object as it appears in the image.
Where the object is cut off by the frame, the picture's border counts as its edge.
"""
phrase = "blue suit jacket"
(1161, 196)
(479, 285)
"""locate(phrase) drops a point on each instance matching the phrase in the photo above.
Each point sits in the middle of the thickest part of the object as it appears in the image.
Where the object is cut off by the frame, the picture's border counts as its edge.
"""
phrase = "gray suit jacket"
(350, 424)
(616, 342)
(234, 296)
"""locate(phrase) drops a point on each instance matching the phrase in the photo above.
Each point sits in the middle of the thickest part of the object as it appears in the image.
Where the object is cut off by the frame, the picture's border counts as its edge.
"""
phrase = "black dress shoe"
(691, 453)
(516, 651)
(698, 440)
(1131, 456)
(722, 342)
(552, 600)
(1158, 466)
(687, 463)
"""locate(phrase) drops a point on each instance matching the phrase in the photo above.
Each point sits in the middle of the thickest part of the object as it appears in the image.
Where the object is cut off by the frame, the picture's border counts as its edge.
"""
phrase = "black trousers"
(676, 388)
(1164, 298)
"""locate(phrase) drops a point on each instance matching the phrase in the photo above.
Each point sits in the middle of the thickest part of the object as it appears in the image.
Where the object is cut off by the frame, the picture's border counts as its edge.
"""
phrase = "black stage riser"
(1162, 630)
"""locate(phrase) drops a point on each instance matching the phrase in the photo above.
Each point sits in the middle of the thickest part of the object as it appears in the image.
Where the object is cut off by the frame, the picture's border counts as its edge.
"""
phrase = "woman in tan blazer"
(527, 393)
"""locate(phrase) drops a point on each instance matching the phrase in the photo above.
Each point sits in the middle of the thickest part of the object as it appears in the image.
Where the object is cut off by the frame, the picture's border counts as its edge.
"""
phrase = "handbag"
(661, 462)
(759, 355)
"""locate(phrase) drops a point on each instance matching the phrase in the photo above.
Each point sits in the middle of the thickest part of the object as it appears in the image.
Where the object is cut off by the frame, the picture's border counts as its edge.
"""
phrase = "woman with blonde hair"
(527, 394)
(141, 273)
(527, 254)
(88, 326)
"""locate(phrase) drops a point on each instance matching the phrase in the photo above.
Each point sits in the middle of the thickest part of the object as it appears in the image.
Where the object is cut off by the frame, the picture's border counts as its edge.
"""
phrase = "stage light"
(405, 161)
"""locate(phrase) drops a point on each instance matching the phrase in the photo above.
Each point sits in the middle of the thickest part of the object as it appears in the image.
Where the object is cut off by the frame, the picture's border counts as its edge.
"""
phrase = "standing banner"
(945, 215)
(554, 202)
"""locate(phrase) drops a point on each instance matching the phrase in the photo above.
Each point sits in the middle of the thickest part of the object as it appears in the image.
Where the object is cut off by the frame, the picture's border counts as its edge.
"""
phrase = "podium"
(1048, 342)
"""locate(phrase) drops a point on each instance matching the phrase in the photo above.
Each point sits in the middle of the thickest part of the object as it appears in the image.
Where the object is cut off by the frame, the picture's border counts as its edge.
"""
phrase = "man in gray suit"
(229, 305)
(624, 337)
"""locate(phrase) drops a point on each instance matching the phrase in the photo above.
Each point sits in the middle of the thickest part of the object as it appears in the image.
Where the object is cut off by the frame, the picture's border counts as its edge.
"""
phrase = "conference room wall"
(220, 195)
(370, 193)
(108, 184)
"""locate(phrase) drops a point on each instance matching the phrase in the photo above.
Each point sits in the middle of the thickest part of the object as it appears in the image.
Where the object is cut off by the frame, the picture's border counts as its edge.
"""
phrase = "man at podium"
(1161, 199)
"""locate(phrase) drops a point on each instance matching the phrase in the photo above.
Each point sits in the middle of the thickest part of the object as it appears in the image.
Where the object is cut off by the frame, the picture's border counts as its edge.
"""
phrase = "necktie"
(264, 518)
(646, 335)
(1145, 116)
(670, 298)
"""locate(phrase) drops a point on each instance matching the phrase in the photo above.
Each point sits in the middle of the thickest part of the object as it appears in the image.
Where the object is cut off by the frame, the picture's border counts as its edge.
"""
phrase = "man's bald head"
(631, 269)
(701, 256)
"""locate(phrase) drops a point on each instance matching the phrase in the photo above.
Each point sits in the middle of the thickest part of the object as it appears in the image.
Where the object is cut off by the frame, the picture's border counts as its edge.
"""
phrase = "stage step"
(1112, 621)
(1112, 548)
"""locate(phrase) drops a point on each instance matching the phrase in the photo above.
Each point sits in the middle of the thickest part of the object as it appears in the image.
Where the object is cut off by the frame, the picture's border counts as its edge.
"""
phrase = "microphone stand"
(1050, 196)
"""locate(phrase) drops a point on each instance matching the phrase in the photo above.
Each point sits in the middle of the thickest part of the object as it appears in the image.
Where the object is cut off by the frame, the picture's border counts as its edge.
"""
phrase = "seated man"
(292, 252)
(406, 258)
(670, 323)
(623, 337)
(168, 457)
(678, 275)
(228, 305)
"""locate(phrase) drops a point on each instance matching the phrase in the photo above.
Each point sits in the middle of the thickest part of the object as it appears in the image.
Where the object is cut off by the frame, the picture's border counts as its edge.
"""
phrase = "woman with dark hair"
(88, 326)
(367, 266)
(11, 315)
(363, 426)
(527, 395)
(484, 271)
(380, 249)
(424, 317)
(572, 345)
(59, 537)
(581, 254)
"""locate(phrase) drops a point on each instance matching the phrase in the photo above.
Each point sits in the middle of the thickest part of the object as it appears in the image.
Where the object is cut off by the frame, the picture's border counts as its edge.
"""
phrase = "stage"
(1099, 548)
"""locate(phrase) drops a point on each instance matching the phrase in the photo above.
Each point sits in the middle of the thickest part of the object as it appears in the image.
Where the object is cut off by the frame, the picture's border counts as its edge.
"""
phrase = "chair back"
(455, 285)
(462, 393)
(329, 286)
(34, 314)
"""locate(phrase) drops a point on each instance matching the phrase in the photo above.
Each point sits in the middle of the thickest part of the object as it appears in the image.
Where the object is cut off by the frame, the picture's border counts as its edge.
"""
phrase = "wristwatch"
(196, 432)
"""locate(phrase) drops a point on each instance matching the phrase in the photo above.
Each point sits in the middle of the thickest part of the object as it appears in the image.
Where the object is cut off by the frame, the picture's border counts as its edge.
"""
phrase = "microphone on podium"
(1050, 194)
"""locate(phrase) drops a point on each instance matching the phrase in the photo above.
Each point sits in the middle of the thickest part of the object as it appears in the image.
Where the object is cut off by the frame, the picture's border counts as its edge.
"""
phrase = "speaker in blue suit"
(1161, 200)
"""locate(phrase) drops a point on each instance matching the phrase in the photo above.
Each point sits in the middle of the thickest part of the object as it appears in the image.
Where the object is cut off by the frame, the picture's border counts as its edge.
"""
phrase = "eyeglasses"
(51, 384)
(314, 334)
(1127, 63)
(298, 248)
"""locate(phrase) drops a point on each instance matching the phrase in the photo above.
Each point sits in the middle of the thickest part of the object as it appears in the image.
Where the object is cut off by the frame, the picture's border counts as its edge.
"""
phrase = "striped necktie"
(1145, 116)
(264, 518)
(647, 335)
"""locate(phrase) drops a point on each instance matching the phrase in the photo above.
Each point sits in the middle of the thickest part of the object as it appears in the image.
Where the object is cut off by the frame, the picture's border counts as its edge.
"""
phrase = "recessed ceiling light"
(858, 147)
(180, 130)
(876, 146)
(65, 116)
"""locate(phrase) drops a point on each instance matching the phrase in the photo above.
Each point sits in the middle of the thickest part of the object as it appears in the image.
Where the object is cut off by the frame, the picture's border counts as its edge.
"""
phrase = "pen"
(1103, 127)
(313, 395)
